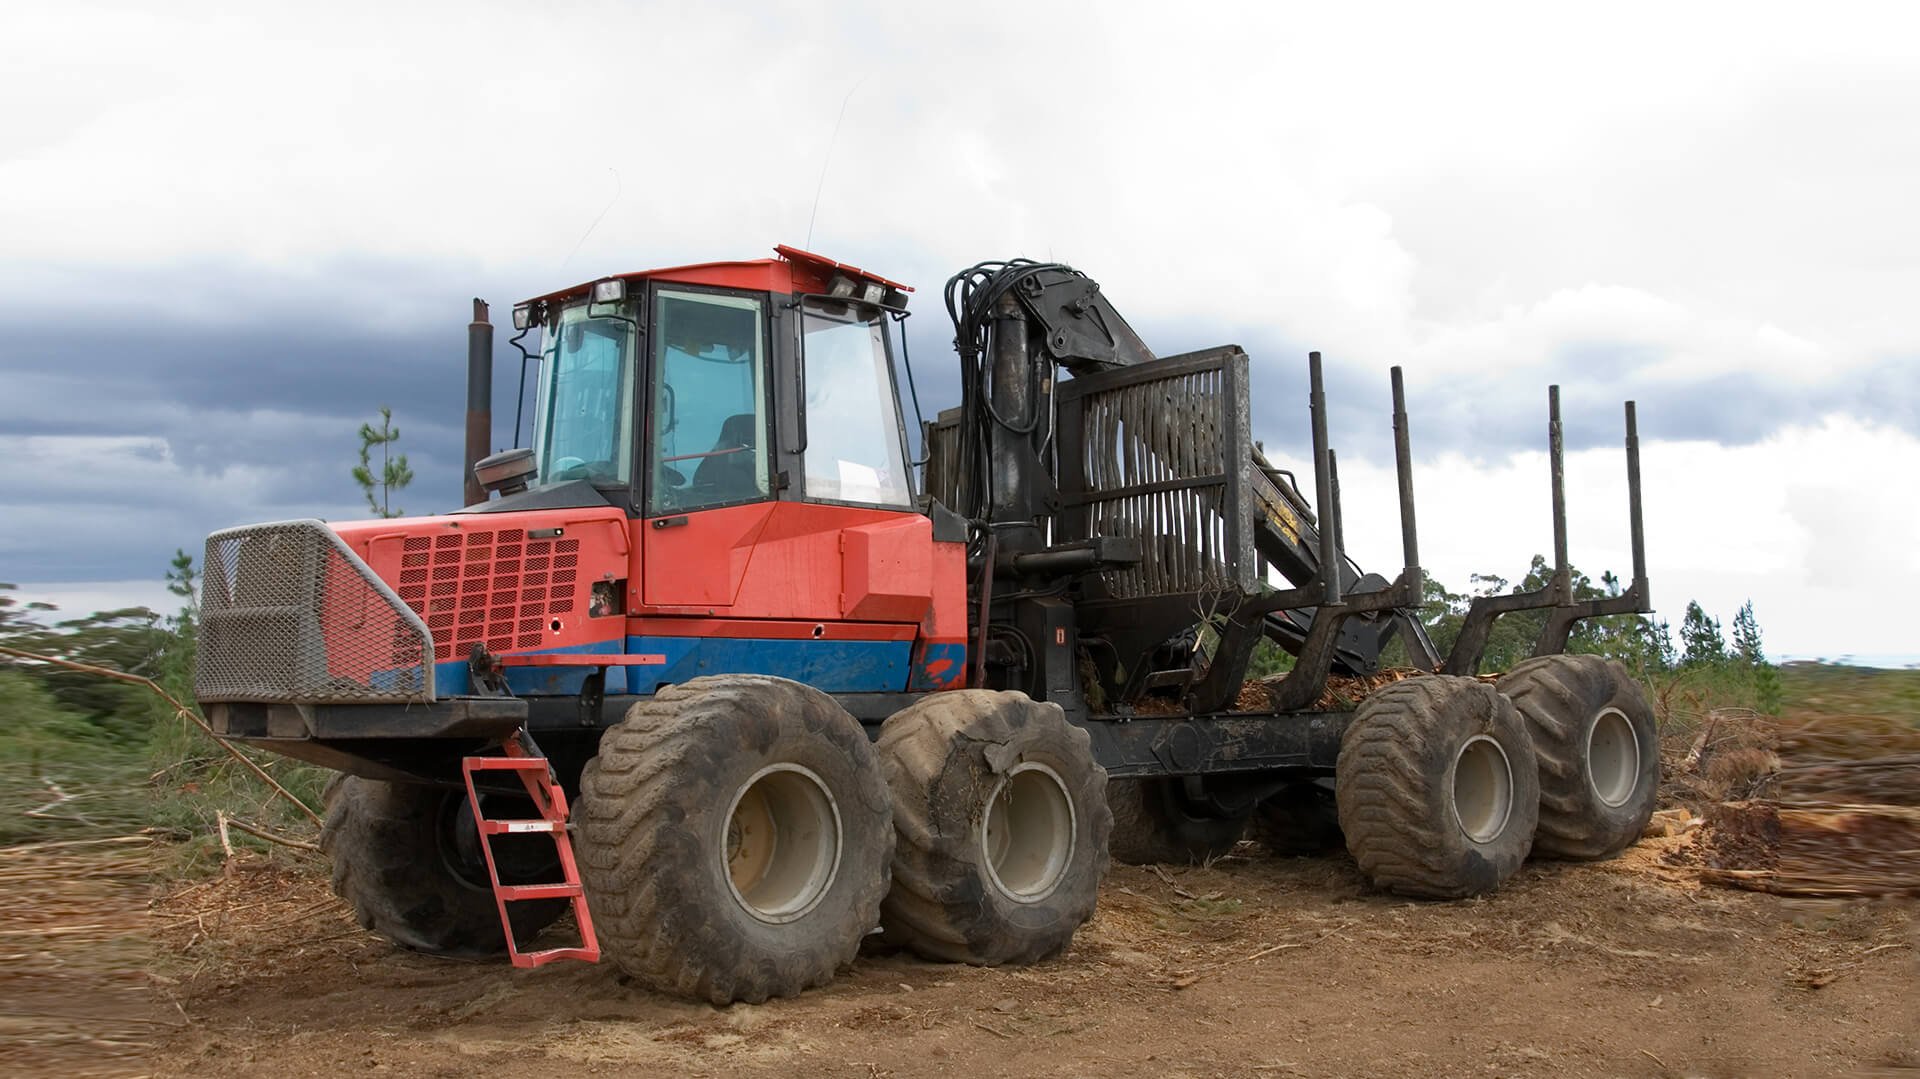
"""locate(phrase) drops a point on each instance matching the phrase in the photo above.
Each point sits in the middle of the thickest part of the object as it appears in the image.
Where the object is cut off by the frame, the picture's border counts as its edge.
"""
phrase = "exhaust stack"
(479, 399)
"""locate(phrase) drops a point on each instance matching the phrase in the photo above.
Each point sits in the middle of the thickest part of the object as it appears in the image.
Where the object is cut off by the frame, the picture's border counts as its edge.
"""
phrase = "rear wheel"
(1438, 789)
(1003, 826)
(1599, 753)
(735, 839)
(1154, 821)
(406, 857)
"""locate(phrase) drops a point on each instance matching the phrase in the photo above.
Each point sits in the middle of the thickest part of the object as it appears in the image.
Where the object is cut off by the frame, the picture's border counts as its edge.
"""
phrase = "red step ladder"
(551, 801)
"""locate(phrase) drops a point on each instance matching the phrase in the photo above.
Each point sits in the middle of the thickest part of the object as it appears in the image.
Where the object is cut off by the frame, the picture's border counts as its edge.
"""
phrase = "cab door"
(709, 488)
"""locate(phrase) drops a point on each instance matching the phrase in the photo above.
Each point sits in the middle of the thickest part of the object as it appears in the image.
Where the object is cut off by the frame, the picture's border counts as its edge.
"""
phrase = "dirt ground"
(1647, 965)
(1255, 966)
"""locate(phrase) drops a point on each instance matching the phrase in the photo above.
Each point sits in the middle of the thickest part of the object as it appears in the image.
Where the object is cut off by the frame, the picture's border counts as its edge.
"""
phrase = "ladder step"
(539, 782)
(505, 764)
(512, 892)
(518, 827)
(548, 955)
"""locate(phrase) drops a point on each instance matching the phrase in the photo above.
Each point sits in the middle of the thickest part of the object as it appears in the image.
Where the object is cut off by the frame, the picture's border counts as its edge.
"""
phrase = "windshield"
(854, 448)
(583, 421)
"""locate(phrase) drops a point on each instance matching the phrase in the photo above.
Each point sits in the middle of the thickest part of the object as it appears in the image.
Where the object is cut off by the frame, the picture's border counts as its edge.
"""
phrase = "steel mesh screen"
(289, 614)
(942, 479)
(1159, 452)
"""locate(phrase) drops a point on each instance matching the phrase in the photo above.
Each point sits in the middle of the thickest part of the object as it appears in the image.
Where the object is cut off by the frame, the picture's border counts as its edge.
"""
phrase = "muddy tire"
(1153, 822)
(1599, 753)
(735, 837)
(1438, 788)
(410, 876)
(1300, 820)
(1003, 828)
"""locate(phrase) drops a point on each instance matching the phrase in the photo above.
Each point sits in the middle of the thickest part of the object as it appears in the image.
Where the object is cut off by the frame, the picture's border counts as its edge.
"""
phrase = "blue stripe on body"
(830, 666)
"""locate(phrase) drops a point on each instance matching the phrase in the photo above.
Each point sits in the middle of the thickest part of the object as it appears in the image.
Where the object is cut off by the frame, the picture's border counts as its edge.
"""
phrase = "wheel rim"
(1482, 788)
(1613, 757)
(782, 842)
(1028, 835)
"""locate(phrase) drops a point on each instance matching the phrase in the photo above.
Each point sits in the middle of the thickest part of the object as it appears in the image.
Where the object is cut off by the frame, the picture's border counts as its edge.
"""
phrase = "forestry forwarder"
(793, 694)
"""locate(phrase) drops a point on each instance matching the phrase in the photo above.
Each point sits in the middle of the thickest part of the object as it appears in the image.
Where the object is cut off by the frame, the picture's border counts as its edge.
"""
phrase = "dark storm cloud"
(166, 426)
(160, 428)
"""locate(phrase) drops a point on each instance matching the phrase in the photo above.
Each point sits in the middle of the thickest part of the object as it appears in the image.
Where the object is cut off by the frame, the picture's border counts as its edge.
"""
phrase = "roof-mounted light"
(523, 316)
(612, 290)
(843, 287)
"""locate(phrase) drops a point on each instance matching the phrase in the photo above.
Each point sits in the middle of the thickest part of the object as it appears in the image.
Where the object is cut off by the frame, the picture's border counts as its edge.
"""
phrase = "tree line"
(1646, 645)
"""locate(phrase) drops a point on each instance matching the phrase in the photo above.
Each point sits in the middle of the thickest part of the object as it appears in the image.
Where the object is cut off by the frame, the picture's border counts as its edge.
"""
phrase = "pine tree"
(1660, 643)
(1746, 635)
(1700, 637)
(177, 659)
(1767, 691)
(184, 581)
(394, 473)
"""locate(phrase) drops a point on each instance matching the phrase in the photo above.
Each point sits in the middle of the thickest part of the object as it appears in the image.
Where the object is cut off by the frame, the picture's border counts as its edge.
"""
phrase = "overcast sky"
(229, 233)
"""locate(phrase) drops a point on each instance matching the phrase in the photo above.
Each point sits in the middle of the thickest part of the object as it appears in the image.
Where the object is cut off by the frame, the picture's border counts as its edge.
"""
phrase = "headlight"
(612, 290)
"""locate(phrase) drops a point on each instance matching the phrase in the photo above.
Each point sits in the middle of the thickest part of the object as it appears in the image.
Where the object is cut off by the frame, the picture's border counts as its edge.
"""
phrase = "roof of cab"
(793, 271)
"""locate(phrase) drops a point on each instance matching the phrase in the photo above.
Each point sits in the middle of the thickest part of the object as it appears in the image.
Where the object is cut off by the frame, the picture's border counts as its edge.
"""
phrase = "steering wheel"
(575, 468)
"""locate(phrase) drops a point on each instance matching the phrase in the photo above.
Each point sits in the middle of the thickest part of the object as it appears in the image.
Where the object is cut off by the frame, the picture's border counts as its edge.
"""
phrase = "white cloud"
(1676, 196)
(1804, 524)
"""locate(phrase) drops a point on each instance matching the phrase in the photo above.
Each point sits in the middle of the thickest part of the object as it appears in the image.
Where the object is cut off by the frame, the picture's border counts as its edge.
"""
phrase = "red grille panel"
(491, 588)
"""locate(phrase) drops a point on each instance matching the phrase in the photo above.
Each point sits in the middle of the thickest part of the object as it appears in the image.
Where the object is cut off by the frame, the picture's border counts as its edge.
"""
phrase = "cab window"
(583, 420)
(855, 452)
(709, 401)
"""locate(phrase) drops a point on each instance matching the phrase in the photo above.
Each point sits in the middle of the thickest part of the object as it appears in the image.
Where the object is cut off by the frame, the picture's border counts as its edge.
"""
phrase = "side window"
(709, 401)
(854, 449)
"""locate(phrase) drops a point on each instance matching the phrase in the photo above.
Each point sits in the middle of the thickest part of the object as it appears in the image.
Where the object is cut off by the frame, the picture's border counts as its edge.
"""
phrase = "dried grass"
(73, 945)
(246, 922)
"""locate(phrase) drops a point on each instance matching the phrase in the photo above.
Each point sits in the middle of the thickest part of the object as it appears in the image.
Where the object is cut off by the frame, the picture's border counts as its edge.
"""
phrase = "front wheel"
(735, 839)
(407, 859)
(1003, 826)
(1438, 788)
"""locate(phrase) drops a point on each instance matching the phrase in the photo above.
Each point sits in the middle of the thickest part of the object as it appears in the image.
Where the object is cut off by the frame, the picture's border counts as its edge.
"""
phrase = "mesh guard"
(290, 615)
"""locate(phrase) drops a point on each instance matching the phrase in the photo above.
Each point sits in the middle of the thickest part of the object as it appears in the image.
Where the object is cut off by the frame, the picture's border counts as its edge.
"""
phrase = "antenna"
(596, 221)
(831, 140)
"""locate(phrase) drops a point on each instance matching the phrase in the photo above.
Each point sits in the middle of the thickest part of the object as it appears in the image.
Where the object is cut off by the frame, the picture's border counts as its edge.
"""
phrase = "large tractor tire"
(1299, 820)
(735, 839)
(1154, 822)
(1003, 827)
(1599, 751)
(1438, 788)
(406, 858)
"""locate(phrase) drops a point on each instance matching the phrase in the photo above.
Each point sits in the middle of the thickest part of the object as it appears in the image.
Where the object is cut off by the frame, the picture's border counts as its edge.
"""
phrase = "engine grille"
(290, 614)
(496, 589)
